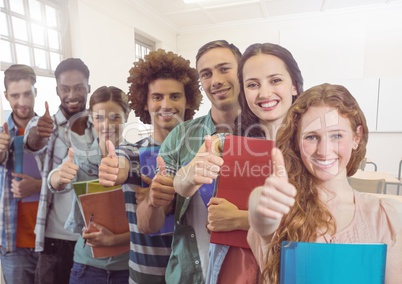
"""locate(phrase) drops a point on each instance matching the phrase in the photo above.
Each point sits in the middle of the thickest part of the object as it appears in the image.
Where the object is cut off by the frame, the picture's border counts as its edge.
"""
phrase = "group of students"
(320, 135)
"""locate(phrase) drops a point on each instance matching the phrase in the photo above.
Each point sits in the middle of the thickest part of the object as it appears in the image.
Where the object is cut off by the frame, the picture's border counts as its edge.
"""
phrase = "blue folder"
(321, 263)
(148, 167)
(25, 163)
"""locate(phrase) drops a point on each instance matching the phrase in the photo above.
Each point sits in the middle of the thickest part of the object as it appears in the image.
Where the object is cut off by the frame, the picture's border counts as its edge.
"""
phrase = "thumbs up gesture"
(4, 139)
(45, 123)
(270, 202)
(109, 166)
(202, 169)
(207, 163)
(161, 191)
(68, 169)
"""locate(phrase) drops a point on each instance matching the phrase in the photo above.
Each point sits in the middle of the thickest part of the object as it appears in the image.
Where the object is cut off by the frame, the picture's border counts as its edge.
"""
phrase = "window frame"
(62, 18)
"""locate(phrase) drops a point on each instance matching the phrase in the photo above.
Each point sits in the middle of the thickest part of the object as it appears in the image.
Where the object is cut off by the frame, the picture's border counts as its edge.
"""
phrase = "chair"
(367, 185)
(363, 163)
(369, 162)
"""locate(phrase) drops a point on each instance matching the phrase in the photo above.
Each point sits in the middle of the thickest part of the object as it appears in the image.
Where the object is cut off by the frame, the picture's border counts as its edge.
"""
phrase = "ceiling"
(204, 13)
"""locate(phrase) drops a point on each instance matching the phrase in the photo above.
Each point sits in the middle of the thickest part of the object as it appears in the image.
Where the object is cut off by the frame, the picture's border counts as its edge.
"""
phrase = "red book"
(247, 163)
(107, 208)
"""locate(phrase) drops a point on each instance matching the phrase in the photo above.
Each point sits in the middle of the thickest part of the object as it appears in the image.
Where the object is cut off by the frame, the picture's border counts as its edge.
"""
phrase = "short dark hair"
(216, 44)
(71, 64)
(19, 72)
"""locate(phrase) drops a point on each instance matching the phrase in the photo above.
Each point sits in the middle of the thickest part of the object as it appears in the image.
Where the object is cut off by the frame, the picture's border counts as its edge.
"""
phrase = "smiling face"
(268, 88)
(72, 88)
(21, 96)
(326, 142)
(108, 118)
(217, 69)
(166, 104)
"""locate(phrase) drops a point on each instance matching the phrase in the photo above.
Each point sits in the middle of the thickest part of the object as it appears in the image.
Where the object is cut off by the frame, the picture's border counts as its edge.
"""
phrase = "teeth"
(166, 114)
(73, 103)
(326, 162)
(269, 104)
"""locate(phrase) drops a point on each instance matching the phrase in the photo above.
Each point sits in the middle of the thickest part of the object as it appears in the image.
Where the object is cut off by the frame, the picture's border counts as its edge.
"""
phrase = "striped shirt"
(149, 255)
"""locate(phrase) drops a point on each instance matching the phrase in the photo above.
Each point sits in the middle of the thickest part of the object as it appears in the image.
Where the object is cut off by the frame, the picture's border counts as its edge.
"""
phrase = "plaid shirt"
(8, 204)
(51, 156)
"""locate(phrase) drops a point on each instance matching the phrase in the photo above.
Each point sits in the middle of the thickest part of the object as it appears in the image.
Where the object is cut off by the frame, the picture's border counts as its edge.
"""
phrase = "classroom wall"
(357, 48)
(353, 47)
(102, 33)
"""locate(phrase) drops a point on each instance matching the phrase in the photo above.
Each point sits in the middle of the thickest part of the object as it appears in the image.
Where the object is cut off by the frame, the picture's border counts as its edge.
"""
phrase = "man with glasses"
(50, 137)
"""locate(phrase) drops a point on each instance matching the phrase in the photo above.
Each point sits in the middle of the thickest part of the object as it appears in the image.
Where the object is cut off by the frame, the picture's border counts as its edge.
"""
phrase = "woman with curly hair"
(309, 199)
(164, 91)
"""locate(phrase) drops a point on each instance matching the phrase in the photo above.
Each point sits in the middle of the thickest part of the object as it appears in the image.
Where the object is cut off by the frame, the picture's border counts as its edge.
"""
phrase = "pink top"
(376, 220)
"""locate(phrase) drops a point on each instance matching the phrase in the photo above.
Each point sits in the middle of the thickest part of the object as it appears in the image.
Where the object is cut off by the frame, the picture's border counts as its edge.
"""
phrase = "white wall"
(346, 46)
(102, 34)
(332, 47)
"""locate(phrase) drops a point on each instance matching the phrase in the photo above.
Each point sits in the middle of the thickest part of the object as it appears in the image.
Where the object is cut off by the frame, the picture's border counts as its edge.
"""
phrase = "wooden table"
(389, 179)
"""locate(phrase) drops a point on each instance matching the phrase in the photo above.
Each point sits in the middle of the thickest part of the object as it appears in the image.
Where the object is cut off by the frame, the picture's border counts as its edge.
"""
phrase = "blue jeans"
(55, 262)
(85, 274)
(19, 266)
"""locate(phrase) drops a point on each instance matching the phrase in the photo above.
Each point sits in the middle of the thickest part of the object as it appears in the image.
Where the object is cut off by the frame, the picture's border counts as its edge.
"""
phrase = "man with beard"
(19, 192)
(50, 138)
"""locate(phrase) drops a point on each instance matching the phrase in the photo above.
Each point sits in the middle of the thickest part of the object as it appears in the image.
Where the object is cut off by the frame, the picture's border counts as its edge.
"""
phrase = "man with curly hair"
(164, 91)
(193, 258)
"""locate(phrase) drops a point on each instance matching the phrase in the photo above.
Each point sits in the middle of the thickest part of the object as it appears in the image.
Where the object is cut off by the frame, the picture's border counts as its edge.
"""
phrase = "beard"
(68, 114)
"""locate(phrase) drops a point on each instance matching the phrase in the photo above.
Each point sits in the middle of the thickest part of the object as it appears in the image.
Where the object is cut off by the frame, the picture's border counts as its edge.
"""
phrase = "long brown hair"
(247, 122)
(309, 217)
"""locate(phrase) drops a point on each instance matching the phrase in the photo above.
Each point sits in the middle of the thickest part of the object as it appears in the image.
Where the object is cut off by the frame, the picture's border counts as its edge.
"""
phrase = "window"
(143, 46)
(35, 33)
(31, 34)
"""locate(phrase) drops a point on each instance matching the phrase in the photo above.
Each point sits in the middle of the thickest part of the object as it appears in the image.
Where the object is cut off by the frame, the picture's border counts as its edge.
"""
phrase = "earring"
(355, 146)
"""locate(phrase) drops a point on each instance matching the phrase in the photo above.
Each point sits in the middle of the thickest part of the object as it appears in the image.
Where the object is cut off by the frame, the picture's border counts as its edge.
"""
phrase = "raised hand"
(68, 169)
(142, 192)
(203, 169)
(109, 166)
(4, 139)
(275, 197)
(161, 191)
(45, 124)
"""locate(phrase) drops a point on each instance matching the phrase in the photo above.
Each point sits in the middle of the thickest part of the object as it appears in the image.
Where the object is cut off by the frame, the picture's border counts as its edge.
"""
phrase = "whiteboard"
(365, 92)
(390, 105)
